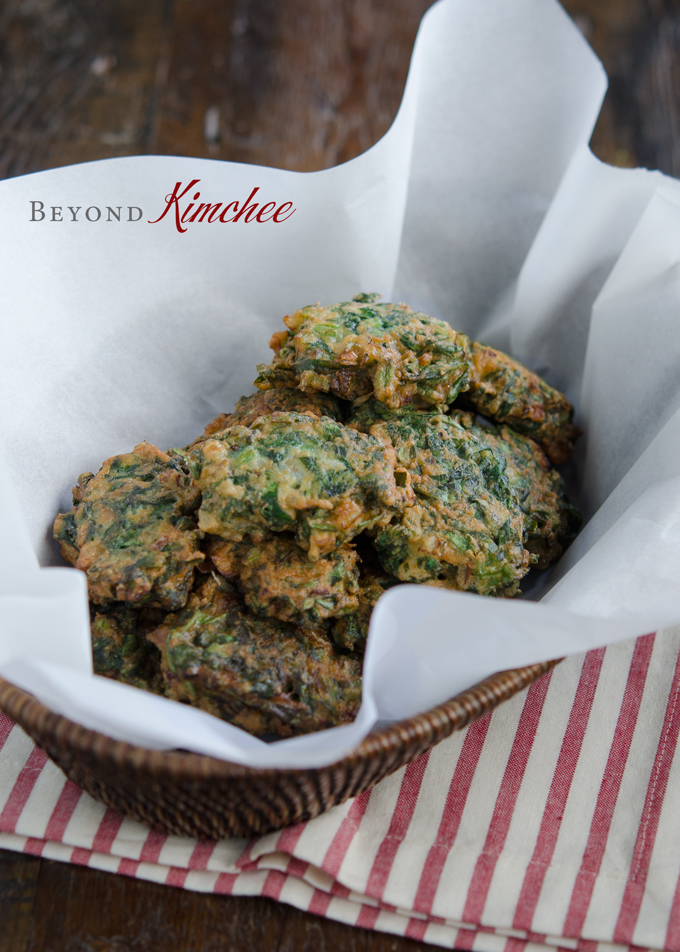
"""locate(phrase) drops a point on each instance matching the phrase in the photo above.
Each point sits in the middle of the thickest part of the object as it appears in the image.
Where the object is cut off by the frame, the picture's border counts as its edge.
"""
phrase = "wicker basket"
(198, 796)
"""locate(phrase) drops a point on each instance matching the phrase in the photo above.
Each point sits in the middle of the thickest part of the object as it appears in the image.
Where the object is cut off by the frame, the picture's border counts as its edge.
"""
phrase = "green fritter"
(466, 528)
(133, 529)
(504, 390)
(263, 675)
(550, 520)
(265, 402)
(289, 472)
(120, 649)
(367, 412)
(277, 578)
(351, 631)
(474, 545)
(361, 347)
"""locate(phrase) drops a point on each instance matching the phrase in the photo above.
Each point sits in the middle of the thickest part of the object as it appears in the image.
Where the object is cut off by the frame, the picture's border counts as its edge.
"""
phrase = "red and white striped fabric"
(552, 822)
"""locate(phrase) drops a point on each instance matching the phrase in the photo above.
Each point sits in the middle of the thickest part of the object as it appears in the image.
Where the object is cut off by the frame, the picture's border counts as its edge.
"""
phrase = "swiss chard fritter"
(266, 402)
(473, 545)
(263, 675)
(504, 390)
(133, 531)
(466, 527)
(550, 520)
(120, 649)
(351, 631)
(360, 347)
(277, 578)
(294, 473)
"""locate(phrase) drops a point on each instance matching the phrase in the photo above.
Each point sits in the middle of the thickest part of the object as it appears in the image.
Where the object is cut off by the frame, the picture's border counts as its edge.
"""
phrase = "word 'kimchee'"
(247, 211)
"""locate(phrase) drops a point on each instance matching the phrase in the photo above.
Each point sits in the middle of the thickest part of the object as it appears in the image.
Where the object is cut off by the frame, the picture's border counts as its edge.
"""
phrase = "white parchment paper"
(482, 205)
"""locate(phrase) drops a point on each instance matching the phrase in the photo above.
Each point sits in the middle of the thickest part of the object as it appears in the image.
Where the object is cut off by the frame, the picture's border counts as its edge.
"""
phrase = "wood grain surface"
(60, 908)
(298, 84)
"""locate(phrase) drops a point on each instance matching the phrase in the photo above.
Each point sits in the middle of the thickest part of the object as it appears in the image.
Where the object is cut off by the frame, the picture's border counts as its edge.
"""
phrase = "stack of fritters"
(354, 349)
(133, 530)
(264, 675)
(240, 573)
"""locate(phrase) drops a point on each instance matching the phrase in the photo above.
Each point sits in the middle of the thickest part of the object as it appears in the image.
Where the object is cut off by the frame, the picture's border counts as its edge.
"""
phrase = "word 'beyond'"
(247, 211)
(93, 213)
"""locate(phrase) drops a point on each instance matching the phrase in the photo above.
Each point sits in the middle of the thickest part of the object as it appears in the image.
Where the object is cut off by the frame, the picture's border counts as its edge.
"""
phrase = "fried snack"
(550, 520)
(120, 649)
(359, 347)
(264, 675)
(351, 631)
(366, 413)
(266, 402)
(296, 473)
(504, 390)
(466, 527)
(277, 578)
(133, 531)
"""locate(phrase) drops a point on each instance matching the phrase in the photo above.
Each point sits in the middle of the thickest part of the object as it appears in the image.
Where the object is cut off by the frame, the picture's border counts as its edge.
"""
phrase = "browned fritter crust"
(120, 649)
(294, 473)
(277, 578)
(133, 529)
(506, 391)
(359, 347)
(466, 525)
(263, 675)
(265, 402)
(404, 358)
(550, 520)
(351, 631)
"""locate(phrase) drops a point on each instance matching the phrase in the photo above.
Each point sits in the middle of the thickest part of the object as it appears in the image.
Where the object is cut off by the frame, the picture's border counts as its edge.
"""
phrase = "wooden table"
(298, 84)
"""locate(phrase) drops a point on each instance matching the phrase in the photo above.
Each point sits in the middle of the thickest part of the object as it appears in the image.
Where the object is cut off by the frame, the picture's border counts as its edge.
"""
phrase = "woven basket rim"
(438, 722)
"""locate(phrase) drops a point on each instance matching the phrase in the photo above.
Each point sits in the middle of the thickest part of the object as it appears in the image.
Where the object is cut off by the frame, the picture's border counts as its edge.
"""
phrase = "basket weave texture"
(198, 796)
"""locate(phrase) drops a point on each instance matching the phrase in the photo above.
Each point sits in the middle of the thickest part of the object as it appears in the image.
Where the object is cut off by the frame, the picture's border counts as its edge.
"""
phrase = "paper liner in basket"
(482, 205)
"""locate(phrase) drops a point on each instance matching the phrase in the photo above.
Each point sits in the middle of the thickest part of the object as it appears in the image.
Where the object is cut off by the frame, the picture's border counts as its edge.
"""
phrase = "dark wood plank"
(291, 83)
(638, 42)
(612, 27)
(288, 83)
(79, 80)
(18, 886)
(82, 910)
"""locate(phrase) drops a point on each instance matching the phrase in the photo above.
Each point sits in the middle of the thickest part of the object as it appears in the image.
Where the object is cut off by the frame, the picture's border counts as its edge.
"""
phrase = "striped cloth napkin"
(553, 822)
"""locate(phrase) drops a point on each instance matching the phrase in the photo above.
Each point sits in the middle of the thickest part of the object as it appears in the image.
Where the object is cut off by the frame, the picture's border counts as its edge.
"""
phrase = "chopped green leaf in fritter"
(120, 649)
(264, 675)
(266, 402)
(133, 529)
(466, 527)
(504, 390)
(550, 520)
(294, 473)
(361, 347)
(351, 631)
(278, 579)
